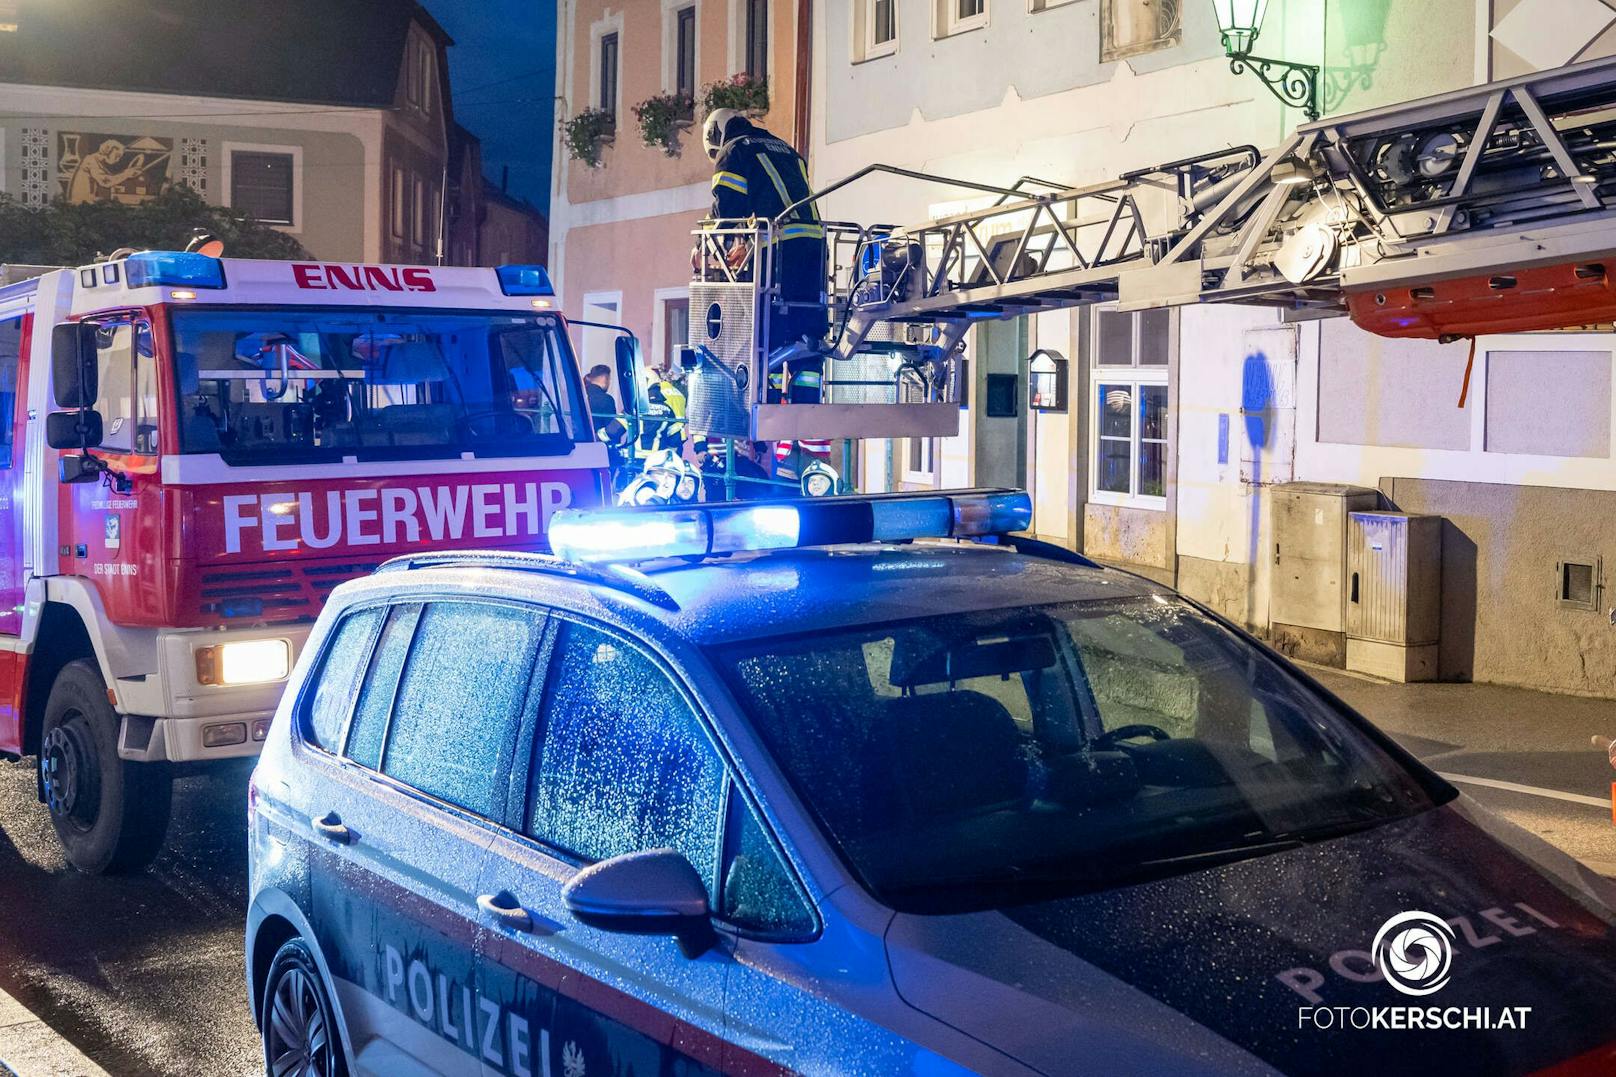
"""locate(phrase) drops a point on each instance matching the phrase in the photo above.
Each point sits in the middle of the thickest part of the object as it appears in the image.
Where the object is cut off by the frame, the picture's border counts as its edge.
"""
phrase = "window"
(1577, 583)
(400, 204)
(757, 38)
(459, 706)
(875, 29)
(369, 726)
(622, 764)
(1045, 5)
(340, 671)
(684, 53)
(126, 364)
(607, 101)
(918, 456)
(759, 892)
(265, 386)
(1130, 420)
(958, 16)
(261, 186)
(10, 357)
(675, 330)
(418, 218)
(1131, 27)
(424, 67)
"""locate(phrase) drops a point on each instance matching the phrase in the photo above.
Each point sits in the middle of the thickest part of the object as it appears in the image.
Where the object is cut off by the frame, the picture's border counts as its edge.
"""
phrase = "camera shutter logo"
(1414, 951)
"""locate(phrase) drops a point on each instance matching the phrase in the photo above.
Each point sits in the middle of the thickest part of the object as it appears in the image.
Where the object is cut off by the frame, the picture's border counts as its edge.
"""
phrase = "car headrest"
(956, 751)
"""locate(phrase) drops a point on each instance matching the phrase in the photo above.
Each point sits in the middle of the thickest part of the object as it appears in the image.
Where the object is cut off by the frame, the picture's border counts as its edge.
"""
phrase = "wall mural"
(112, 168)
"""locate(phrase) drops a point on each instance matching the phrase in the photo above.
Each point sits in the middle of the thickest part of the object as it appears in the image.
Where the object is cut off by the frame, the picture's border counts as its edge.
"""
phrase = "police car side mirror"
(655, 892)
(73, 367)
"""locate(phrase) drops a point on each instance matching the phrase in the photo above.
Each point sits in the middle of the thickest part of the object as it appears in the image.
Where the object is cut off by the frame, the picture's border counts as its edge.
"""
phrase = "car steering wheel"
(1109, 738)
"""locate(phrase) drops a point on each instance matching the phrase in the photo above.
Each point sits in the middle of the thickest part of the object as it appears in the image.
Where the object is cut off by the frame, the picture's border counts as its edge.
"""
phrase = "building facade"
(1180, 429)
(620, 227)
(329, 123)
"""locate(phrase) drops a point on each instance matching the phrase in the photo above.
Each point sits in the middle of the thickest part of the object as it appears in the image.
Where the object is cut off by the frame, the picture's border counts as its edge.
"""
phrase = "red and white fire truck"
(196, 450)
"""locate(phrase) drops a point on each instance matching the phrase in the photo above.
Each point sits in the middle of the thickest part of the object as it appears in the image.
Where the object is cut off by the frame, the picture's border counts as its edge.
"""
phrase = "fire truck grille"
(293, 593)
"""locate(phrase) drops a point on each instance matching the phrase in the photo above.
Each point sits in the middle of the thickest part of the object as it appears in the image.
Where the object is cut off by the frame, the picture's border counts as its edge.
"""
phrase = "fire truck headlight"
(247, 661)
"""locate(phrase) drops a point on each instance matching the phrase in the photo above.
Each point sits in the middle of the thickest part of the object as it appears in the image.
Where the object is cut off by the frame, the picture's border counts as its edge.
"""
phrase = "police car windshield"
(982, 760)
(268, 386)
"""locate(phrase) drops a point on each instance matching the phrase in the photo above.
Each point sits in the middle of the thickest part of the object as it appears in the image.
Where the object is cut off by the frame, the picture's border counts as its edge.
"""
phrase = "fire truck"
(197, 449)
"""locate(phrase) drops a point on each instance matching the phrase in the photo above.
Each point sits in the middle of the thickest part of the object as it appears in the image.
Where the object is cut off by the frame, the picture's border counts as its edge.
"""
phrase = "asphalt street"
(144, 974)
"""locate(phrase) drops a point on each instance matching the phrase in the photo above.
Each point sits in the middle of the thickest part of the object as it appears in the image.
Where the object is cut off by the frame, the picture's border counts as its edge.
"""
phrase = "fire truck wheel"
(110, 814)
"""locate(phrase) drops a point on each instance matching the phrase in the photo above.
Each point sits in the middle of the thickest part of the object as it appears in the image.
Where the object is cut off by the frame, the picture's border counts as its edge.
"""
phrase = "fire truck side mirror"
(73, 429)
(626, 351)
(73, 369)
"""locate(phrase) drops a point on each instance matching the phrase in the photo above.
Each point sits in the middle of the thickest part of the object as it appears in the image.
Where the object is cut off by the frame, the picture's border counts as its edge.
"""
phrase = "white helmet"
(712, 130)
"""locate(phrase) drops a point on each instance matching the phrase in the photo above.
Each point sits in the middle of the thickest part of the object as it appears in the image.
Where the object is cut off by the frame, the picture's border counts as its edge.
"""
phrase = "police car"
(774, 787)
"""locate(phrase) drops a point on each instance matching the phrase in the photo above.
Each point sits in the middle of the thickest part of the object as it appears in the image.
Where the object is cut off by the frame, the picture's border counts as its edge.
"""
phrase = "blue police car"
(775, 787)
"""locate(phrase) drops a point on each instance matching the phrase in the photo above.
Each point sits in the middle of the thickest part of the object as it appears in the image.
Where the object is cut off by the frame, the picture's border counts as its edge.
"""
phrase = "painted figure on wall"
(112, 168)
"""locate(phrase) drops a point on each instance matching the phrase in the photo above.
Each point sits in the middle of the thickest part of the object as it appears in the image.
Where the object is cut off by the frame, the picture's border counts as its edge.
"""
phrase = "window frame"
(134, 319)
(756, 35)
(228, 153)
(674, 14)
(608, 76)
(950, 22)
(12, 419)
(927, 472)
(1110, 53)
(302, 716)
(865, 46)
(1135, 376)
(731, 782)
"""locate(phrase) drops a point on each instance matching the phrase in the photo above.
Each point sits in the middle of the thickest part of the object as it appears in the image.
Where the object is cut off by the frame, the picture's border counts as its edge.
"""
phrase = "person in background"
(746, 467)
(662, 424)
(609, 426)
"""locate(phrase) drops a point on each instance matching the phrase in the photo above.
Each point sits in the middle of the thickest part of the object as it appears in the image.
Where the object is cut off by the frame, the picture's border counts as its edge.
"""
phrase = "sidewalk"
(1524, 754)
(32, 1048)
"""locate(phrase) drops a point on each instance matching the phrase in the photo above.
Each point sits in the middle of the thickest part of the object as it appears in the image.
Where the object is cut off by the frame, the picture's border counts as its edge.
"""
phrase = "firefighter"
(662, 426)
(609, 426)
(757, 175)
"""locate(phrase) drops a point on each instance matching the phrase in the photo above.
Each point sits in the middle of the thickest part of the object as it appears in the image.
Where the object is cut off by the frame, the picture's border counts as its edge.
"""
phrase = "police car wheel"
(110, 815)
(300, 1028)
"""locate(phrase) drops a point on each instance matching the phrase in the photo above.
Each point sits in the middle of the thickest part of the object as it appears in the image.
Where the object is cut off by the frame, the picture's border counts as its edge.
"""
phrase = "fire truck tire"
(110, 814)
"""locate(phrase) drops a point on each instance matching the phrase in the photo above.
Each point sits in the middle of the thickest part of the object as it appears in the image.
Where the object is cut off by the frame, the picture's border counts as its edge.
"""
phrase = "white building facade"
(1179, 425)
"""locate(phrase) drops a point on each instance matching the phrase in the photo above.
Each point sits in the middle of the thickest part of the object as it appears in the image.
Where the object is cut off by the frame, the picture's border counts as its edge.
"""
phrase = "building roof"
(337, 52)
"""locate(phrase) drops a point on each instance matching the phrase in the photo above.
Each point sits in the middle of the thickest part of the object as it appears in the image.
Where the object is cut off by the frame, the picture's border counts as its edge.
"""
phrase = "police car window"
(459, 703)
(340, 670)
(369, 725)
(622, 763)
(262, 386)
(759, 893)
(1158, 741)
(127, 371)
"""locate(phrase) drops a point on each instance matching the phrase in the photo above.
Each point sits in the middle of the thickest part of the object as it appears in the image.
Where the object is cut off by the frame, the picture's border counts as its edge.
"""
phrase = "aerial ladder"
(1484, 210)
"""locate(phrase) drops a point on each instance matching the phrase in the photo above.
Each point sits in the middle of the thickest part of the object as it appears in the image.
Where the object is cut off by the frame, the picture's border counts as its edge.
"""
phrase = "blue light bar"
(700, 530)
(525, 280)
(182, 268)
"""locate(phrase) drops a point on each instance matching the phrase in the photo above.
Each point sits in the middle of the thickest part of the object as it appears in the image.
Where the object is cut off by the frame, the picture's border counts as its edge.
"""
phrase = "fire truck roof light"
(644, 534)
(173, 268)
(525, 280)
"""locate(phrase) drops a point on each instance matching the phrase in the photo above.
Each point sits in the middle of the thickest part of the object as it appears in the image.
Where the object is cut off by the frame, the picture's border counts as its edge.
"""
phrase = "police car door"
(621, 763)
(395, 902)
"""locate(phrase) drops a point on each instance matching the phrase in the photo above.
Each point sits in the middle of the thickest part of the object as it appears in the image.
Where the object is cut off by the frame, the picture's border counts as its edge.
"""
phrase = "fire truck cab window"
(10, 356)
(127, 364)
(261, 386)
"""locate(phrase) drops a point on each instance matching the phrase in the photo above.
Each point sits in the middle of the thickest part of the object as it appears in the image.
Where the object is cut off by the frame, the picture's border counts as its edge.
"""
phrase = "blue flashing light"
(646, 534)
(631, 535)
(525, 280)
(179, 268)
(242, 607)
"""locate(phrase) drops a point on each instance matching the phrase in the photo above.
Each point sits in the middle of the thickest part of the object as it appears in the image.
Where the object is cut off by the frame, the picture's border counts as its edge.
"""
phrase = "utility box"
(1394, 594)
(1307, 608)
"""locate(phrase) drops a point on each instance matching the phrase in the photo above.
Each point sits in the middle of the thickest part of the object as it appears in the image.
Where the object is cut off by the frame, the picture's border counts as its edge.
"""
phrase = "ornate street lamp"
(1240, 21)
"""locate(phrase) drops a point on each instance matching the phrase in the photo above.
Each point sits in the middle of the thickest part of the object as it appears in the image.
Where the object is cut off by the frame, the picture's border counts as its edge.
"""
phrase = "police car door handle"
(331, 827)
(504, 907)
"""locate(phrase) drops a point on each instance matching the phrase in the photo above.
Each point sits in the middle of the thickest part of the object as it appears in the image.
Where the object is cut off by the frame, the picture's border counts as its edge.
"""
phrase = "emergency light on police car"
(697, 531)
(243, 661)
(179, 268)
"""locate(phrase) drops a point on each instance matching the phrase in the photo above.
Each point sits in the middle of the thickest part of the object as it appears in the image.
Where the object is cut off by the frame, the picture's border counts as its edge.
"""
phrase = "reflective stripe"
(733, 181)
(774, 176)
(794, 231)
(807, 377)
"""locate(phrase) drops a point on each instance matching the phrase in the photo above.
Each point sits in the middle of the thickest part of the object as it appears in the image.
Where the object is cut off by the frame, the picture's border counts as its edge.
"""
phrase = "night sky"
(502, 67)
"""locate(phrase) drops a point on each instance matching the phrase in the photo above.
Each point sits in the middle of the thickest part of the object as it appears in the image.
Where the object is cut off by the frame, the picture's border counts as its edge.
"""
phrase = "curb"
(31, 1048)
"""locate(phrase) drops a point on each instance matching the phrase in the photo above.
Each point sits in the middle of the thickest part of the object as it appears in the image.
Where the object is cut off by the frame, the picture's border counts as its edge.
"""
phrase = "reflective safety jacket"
(758, 175)
(662, 424)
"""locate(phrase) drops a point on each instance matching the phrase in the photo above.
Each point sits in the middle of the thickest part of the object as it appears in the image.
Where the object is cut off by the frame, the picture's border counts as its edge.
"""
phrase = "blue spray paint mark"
(1223, 438)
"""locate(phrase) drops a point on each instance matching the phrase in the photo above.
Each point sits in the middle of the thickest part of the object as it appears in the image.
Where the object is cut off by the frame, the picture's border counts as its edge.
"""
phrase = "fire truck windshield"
(267, 386)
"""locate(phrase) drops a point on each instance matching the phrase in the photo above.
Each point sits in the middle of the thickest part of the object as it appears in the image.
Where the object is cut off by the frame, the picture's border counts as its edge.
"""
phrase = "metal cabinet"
(1307, 602)
(1394, 594)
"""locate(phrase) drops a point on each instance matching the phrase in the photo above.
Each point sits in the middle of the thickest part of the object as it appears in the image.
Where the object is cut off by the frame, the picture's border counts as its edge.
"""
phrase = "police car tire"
(132, 818)
(295, 955)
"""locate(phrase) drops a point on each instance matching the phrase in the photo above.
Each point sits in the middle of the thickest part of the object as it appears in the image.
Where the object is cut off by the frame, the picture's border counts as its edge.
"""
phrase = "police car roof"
(756, 595)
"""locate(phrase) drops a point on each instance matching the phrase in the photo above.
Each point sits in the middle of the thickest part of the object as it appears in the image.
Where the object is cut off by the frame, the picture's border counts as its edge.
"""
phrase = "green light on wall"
(1239, 23)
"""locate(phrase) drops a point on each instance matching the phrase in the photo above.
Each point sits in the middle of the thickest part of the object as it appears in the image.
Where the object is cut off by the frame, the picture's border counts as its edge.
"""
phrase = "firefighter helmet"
(712, 130)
